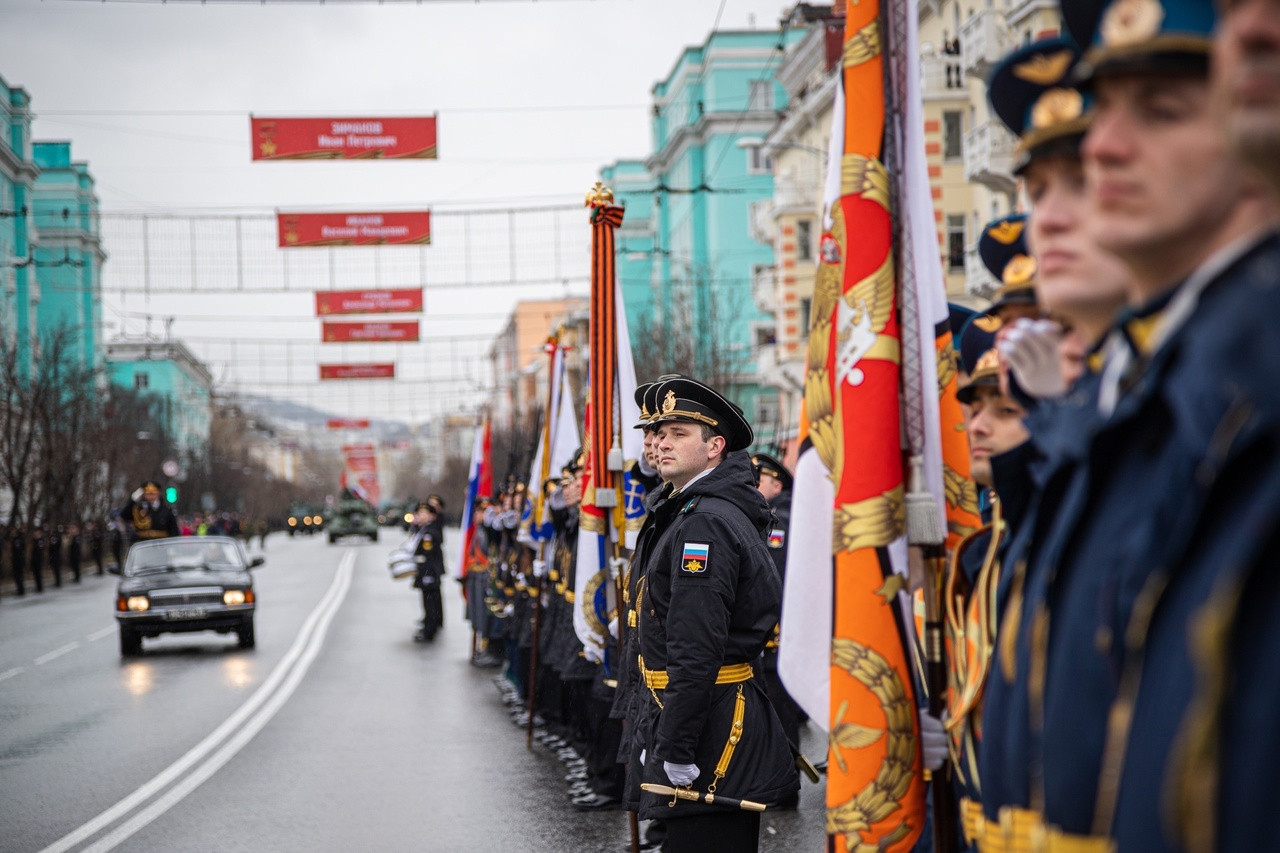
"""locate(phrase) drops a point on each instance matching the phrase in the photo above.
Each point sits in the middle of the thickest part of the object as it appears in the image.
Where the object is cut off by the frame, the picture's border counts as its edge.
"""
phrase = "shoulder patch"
(777, 536)
(694, 558)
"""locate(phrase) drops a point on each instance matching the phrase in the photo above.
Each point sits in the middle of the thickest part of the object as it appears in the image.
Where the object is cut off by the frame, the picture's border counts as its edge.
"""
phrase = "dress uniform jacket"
(1113, 517)
(1202, 676)
(711, 597)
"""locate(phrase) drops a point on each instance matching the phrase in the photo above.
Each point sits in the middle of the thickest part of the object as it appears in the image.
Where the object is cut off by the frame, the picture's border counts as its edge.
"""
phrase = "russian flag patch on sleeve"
(694, 558)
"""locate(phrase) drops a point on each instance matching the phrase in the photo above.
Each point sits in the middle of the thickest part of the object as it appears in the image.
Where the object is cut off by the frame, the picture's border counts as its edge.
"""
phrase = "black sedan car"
(185, 584)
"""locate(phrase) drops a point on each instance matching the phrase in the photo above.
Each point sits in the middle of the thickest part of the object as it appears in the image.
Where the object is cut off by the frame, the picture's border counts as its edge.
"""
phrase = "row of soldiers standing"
(601, 703)
(41, 551)
(1112, 625)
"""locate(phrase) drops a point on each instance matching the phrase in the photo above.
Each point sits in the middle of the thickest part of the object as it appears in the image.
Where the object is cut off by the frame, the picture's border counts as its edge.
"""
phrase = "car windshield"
(183, 554)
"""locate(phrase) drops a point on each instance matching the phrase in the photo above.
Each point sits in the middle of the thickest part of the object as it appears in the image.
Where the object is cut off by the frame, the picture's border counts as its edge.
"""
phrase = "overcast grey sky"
(532, 97)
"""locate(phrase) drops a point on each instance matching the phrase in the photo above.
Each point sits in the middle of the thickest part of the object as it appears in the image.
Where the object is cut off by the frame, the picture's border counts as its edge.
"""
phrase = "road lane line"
(323, 613)
(201, 774)
(57, 653)
(98, 635)
(10, 673)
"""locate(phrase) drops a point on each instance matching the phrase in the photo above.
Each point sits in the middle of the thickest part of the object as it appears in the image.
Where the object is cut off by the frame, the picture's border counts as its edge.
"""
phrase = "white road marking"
(57, 653)
(10, 673)
(98, 635)
(227, 739)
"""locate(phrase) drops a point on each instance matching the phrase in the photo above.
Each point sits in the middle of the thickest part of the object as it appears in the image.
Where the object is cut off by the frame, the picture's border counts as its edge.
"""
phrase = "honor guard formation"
(1109, 630)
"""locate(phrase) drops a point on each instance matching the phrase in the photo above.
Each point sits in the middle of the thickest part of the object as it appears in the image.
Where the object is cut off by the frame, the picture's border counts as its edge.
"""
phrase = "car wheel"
(130, 642)
(247, 640)
(373, 537)
(333, 539)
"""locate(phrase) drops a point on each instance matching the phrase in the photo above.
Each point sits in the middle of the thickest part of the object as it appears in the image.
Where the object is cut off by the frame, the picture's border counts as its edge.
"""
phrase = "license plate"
(178, 613)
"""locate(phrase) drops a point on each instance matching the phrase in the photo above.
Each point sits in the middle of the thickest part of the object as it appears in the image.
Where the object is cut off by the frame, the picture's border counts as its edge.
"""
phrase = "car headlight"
(408, 518)
(293, 522)
(306, 520)
(233, 597)
(137, 603)
(319, 519)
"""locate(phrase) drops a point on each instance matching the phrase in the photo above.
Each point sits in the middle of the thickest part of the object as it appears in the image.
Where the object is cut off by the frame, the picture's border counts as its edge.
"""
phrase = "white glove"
(593, 651)
(933, 742)
(617, 565)
(539, 568)
(642, 758)
(680, 774)
(613, 627)
(1030, 348)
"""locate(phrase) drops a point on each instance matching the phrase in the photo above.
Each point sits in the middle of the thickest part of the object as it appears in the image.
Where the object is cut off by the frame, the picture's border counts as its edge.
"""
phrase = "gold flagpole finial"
(599, 195)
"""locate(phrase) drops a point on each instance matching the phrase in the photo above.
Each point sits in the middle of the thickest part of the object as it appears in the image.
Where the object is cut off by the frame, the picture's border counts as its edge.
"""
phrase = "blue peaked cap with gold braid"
(1032, 93)
(1141, 36)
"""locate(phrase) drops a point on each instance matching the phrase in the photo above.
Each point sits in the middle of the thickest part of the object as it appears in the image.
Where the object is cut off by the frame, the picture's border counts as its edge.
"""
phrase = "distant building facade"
(167, 372)
(50, 253)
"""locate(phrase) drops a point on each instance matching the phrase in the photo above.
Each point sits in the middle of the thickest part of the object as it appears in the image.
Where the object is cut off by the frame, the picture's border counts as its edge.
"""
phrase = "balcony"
(764, 289)
(797, 190)
(942, 77)
(988, 157)
(984, 41)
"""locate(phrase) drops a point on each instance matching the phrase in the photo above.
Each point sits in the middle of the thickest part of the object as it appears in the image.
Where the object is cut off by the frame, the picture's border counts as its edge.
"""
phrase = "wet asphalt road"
(338, 733)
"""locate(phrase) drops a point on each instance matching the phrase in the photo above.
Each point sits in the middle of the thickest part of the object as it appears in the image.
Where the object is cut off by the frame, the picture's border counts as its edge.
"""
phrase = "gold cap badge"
(1129, 22)
(1055, 107)
(1044, 69)
(1020, 270)
(1006, 232)
(669, 402)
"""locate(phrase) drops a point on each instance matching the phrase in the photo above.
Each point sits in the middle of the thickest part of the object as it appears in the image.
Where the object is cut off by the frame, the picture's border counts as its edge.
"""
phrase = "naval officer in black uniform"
(711, 597)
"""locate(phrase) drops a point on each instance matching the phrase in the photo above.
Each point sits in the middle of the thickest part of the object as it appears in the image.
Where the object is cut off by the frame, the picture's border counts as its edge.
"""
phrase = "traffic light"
(171, 495)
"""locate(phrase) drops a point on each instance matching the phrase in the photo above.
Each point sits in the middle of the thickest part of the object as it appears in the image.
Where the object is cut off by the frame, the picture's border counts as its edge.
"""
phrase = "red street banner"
(358, 371)
(368, 302)
(343, 138)
(360, 457)
(337, 333)
(348, 423)
(405, 227)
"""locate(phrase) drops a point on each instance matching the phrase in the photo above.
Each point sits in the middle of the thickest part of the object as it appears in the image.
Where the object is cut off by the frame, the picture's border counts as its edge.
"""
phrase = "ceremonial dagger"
(699, 797)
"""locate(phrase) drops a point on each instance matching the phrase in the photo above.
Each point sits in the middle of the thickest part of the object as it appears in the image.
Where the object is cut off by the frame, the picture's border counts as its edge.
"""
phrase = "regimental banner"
(347, 423)
(358, 371)
(368, 302)
(343, 138)
(333, 332)
(360, 471)
(404, 227)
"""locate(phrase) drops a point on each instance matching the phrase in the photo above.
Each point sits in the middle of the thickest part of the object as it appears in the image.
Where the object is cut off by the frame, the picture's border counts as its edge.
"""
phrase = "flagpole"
(552, 421)
(606, 446)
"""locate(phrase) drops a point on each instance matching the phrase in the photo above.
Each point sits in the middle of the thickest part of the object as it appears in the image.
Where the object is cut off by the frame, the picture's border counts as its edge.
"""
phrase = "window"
(758, 162)
(141, 380)
(804, 240)
(761, 95)
(767, 411)
(806, 314)
(952, 134)
(955, 242)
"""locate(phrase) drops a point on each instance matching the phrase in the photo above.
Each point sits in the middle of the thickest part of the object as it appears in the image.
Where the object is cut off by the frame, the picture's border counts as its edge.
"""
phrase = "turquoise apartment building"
(50, 252)
(18, 173)
(179, 384)
(689, 263)
(68, 252)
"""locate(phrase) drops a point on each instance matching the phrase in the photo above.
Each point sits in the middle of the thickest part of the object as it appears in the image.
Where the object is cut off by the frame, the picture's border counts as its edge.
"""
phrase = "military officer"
(1004, 253)
(1246, 59)
(996, 426)
(1079, 286)
(428, 553)
(147, 516)
(1188, 223)
(711, 597)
